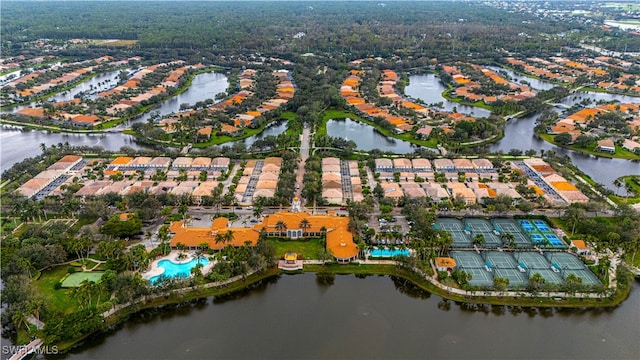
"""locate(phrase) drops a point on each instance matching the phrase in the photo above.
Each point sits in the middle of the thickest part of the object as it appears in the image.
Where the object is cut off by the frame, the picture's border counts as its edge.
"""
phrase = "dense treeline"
(362, 29)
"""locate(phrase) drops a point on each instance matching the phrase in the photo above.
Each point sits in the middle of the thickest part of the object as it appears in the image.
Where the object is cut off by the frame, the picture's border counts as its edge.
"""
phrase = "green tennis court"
(565, 261)
(479, 277)
(468, 259)
(75, 279)
(481, 226)
(501, 260)
(507, 226)
(548, 275)
(454, 226)
(588, 278)
(532, 261)
(516, 278)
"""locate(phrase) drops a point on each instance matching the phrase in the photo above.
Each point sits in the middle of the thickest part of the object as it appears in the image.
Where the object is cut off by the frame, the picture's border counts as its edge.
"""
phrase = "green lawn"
(309, 249)
(57, 300)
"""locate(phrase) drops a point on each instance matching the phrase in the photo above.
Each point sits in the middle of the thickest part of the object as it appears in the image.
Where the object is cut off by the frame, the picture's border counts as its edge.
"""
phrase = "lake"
(374, 317)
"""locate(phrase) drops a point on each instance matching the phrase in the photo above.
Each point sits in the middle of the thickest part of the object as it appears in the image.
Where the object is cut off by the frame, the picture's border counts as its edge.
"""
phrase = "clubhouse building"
(339, 240)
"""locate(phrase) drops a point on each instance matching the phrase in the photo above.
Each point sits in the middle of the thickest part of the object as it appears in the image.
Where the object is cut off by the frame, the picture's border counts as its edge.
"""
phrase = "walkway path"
(27, 349)
(304, 155)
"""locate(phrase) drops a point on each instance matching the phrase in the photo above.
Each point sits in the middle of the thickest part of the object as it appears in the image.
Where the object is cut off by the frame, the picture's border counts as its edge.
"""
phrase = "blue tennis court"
(542, 226)
(536, 238)
(527, 225)
(554, 240)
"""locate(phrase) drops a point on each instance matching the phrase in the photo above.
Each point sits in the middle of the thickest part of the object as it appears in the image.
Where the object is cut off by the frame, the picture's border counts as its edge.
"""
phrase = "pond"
(367, 137)
(204, 86)
(428, 88)
(275, 128)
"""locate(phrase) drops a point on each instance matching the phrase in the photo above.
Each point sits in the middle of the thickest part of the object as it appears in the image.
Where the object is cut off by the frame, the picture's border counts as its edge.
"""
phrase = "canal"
(375, 317)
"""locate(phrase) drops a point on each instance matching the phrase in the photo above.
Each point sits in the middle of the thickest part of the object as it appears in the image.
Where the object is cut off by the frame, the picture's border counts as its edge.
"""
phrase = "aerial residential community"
(376, 165)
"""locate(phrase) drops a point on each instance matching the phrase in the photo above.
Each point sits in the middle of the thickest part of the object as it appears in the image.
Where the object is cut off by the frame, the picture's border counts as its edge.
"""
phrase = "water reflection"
(428, 88)
(275, 128)
(17, 144)
(204, 86)
(366, 319)
(367, 137)
(517, 78)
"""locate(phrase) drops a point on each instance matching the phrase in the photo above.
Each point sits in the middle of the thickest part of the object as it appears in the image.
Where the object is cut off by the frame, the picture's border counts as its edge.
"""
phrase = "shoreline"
(121, 313)
(549, 139)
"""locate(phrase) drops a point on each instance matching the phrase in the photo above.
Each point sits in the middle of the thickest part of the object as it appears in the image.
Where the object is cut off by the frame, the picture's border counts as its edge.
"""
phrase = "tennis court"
(468, 259)
(479, 277)
(532, 261)
(588, 278)
(542, 226)
(527, 226)
(554, 240)
(506, 226)
(500, 260)
(516, 278)
(537, 238)
(548, 275)
(75, 279)
(565, 261)
(454, 226)
(472, 263)
(480, 226)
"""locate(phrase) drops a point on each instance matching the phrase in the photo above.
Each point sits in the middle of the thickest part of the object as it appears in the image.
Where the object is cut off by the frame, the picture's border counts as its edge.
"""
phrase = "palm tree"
(228, 236)
(35, 307)
(629, 188)
(257, 210)
(479, 240)
(281, 227)
(510, 239)
(323, 231)
(25, 264)
(220, 237)
(20, 318)
(618, 184)
(304, 225)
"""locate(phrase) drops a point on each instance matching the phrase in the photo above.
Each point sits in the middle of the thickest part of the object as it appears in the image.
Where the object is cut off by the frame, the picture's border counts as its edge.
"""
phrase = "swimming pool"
(541, 225)
(173, 270)
(388, 252)
(554, 240)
